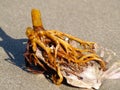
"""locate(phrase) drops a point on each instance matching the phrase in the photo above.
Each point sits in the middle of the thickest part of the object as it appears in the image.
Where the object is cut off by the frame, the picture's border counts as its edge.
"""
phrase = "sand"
(91, 20)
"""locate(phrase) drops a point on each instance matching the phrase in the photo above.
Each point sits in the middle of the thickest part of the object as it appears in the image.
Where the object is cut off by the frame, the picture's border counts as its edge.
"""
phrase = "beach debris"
(66, 57)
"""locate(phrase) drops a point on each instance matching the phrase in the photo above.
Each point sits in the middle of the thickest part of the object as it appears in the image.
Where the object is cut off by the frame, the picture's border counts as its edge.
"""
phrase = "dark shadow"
(14, 48)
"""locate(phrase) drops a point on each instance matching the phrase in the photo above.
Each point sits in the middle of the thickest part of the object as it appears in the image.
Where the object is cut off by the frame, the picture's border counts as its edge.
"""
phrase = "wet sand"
(91, 20)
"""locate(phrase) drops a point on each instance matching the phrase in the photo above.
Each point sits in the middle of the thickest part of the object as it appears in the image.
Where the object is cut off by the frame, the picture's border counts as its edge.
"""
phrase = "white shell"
(92, 77)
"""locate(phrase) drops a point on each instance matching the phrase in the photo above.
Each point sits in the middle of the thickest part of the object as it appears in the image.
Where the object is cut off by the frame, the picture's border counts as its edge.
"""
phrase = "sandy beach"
(91, 20)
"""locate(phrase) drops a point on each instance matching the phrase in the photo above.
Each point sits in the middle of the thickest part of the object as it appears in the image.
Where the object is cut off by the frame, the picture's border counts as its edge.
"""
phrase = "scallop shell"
(92, 76)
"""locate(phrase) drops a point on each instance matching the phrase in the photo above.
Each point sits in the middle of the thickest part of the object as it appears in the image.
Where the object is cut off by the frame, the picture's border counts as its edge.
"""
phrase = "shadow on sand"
(14, 48)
